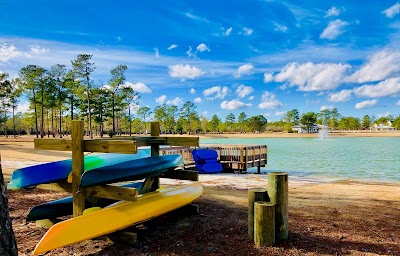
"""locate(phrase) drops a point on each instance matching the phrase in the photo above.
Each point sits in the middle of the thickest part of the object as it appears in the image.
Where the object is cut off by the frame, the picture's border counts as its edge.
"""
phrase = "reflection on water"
(357, 158)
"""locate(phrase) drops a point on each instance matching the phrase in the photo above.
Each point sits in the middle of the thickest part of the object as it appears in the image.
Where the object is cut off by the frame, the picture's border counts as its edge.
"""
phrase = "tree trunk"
(8, 246)
(36, 121)
(72, 108)
(61, 113)
(52, 122)
(42, 113)
(130, 121)
(113, 113)
(13, 116)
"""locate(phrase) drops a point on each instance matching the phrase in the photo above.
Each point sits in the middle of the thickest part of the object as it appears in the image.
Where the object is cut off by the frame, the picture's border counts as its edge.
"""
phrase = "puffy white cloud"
(9, 52)
(398, 103)
(243, 90)
(139, 87)
(334, 29)
(202, 47)
(251, 98)
(280, 113)
(218, 91)
(268, 77)
(36, 49)
(268, 100)
(156, 53)
(312, 77)
(192, 91)
(189, 52)
(173, 46)
(177, 101)
(184, 71)
(392, 11)
(366, 104)
(161, 99)
(234, 104)
(197, 100)
(324, 107)
(341, 96)
(381, 65)
(280, 27)
(333, 11)
(228, 31)
(388, 87)
(245, 69)
(246, 31)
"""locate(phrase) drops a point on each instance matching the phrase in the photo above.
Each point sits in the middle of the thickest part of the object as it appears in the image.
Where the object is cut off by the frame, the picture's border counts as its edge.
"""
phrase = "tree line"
(58, 95)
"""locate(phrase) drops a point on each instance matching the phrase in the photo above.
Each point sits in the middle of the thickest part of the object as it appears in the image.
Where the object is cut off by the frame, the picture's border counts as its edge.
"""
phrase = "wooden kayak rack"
(78, 146)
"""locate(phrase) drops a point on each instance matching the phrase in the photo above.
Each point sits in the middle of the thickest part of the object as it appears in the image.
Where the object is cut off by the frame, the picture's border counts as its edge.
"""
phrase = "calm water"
(376, 159)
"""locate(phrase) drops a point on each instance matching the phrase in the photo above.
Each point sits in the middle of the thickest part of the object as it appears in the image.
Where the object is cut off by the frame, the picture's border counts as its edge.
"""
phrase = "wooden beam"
(112, 192)
(103, 146)
(182, 175)
(111, 146)
(155, 151)
(77, 167)
(61, 187)
(53, 144)
(181, 141)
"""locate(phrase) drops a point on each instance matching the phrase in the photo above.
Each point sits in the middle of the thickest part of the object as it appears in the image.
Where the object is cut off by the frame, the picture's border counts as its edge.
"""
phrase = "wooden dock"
(232, 157)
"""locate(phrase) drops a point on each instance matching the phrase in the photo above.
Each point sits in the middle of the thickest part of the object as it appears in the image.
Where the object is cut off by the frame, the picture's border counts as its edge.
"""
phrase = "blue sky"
(260, 57)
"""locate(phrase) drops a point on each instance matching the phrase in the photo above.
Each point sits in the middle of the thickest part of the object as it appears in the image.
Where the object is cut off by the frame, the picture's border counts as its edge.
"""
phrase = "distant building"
(315, 128)
(383, 128)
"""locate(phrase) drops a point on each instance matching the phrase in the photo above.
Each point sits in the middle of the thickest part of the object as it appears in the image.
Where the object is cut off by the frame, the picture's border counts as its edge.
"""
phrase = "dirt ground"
(332, 218)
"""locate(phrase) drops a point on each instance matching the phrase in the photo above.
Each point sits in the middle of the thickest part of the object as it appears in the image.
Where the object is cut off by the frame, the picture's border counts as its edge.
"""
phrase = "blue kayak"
(59, 171)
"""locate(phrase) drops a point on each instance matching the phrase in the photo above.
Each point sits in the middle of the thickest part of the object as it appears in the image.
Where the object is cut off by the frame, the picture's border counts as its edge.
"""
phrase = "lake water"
(375, 159)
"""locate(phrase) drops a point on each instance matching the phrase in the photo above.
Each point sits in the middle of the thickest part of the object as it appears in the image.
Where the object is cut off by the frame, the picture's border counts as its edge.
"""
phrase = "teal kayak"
(59, 171)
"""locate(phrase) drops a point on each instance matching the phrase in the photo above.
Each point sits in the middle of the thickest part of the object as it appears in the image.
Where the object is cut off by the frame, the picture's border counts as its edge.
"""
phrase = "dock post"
(278, 193)
(77, 167)
(264, 223)
(254, 195)
(155, 151)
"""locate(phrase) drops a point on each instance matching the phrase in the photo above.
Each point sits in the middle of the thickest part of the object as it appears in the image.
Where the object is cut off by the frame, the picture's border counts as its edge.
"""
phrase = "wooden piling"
(264, 223)
(254, 195)
(155, 151)
(77, 167)
(278, 193)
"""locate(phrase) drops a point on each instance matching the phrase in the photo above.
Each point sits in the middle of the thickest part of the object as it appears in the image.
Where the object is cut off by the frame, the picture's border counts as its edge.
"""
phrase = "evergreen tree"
(242, 120)
(144, 112)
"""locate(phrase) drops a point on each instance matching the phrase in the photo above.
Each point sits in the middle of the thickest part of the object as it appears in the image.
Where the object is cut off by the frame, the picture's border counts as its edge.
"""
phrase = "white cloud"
(389, 87)
(173, 46)
(202, 47)
(156, 53)
(398, 103)
(392, 11)
(204, 113)
(228, 31)
(177, 101)
(366, 104)
(312, 77)
(189, 52)
(246, 31)
(268, 77)
(245, 69)
(36, 49)
(243, 90)
(384, 114)
(161, 99)
(324, 107)
(139, 87)
(23, 107)
(280, 113)
(341, 96)
(10, 52)
(234, 104)
(192, 91)
(268, 100)
(380, 66)
(184, 71)
(251, 98)
(333, 11)
(197, 18)
(280, 27)
(218, 91)
(197, 100)
(334, 29)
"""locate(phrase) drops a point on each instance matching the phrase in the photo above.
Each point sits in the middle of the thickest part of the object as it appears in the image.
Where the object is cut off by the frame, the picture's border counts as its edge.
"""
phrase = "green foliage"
(292, 117)
(308, 119)
(257, 123)
(214, 123)
(366, 122)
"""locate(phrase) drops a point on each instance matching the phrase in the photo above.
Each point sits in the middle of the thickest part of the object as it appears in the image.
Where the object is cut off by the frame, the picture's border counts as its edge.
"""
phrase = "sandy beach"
(336, 217)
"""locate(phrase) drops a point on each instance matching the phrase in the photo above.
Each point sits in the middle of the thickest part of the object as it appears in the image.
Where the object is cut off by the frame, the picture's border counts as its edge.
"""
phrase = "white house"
(315, 128)
(383, 128)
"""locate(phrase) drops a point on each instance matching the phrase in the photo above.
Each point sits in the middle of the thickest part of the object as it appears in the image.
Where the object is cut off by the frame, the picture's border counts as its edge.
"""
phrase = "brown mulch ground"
(334, 226)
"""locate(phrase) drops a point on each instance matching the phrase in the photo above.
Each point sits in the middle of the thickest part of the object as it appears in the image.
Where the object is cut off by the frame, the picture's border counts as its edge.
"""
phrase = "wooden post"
(77, 167)
(155, 151)
(254, 195)
(278, 193)
(264, 223)
(8, 246)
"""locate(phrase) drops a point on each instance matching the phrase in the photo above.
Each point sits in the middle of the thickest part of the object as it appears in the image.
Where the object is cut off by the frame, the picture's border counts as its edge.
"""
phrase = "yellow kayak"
(117, 216)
